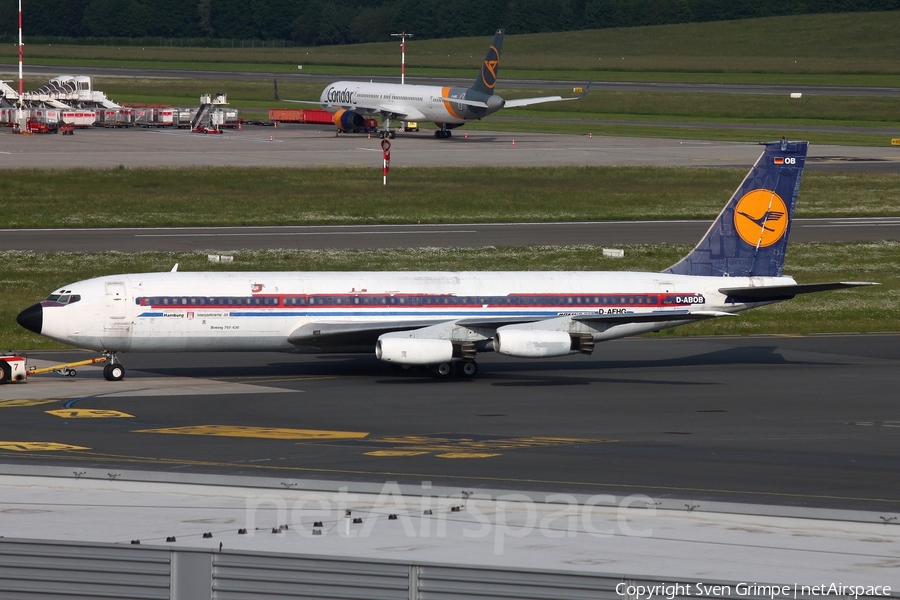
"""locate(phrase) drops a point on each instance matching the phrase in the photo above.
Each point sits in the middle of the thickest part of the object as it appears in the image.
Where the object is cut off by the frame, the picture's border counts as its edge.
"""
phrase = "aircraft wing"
(355, 334)
(529, 101)
(652, 317)
(341, 334)
(381, 108)
(786, 292)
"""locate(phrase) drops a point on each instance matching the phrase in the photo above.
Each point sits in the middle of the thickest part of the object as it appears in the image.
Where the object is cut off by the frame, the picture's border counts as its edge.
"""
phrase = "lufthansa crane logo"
(489, 68)
(761, 218)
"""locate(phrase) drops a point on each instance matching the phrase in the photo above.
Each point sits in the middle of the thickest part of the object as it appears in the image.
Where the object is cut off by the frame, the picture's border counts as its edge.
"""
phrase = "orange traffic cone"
(514, 142)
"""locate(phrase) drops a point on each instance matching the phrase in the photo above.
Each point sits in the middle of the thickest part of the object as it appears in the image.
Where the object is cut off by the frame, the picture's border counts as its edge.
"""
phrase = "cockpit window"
(64, 298)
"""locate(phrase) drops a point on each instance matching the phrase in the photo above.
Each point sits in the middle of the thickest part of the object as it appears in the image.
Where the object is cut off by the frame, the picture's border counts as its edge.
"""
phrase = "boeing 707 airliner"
(448, 107)
(442, 320)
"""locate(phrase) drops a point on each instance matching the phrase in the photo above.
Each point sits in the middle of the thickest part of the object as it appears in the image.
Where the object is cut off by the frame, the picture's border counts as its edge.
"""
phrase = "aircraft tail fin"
(750, 235)
(487, 79)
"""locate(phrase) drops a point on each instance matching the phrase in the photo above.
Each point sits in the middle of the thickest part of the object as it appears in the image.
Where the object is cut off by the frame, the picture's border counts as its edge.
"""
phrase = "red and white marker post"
(386, 151)
(403, 35)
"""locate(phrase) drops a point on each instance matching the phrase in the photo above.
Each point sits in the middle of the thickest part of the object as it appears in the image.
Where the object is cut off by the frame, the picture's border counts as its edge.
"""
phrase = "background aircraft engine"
(411, 351)
(532, 344)
(347, 120)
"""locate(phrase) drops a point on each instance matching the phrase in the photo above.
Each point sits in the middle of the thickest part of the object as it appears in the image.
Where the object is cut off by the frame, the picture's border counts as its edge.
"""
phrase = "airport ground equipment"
(13, 369)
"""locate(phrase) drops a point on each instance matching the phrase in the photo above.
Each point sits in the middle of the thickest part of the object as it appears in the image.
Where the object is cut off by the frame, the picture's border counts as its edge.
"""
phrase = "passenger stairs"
(205, 120)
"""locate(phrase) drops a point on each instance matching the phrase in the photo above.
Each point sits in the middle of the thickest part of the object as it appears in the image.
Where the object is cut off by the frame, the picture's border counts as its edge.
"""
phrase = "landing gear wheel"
(467, 369)
(442, 370)
(113, 372)
(393, 134)
(71, 373)
(449, 134)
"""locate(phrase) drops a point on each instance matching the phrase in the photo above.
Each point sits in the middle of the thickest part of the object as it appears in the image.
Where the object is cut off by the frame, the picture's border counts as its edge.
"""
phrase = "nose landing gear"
(113, 371)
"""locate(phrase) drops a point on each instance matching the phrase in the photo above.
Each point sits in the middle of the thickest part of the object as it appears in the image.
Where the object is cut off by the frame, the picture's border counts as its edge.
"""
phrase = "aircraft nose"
(32, 318)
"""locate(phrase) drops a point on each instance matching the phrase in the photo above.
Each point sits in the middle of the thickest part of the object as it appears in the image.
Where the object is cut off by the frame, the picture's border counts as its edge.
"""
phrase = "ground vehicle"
(40, 126)
(410, 126)
(12, 368)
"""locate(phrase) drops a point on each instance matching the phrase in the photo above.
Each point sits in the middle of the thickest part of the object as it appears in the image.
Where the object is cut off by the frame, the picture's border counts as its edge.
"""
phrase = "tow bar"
(67, 369)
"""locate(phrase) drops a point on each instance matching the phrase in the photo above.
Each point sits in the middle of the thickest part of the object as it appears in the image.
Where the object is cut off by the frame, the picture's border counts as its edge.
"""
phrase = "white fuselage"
(259, 311)
(416, 102)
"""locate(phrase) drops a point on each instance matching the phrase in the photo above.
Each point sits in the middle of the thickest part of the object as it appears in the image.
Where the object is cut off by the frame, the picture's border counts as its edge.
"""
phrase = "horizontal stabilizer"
(466, 102)
(786, 292)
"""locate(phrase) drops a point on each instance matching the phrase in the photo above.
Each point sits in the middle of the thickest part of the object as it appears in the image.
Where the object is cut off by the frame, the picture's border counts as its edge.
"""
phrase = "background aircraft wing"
(528, 101)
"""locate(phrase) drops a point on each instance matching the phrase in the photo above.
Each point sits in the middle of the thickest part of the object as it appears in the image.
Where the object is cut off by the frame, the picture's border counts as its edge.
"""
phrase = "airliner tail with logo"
(443, 320)
(447, 106)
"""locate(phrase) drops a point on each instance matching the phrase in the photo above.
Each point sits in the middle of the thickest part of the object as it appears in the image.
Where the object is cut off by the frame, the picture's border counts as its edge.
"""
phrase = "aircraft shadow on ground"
(511, 373)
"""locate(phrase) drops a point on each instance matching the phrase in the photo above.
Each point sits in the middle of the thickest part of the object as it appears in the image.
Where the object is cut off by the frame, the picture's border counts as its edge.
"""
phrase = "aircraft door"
(116, 328)
(116, 301)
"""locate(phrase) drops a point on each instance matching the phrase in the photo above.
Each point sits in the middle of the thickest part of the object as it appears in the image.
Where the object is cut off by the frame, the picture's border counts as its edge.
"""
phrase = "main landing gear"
(388, 135)
(466, 369)
(443, 134)
(113, 371)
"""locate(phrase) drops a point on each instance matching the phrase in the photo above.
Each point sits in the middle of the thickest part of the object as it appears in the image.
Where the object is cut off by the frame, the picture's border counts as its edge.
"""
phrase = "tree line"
(324, 22)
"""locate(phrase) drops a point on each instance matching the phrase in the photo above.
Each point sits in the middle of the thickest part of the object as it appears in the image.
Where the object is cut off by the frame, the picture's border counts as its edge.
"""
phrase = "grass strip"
(829, 48)
(26, 278)
(285, 196)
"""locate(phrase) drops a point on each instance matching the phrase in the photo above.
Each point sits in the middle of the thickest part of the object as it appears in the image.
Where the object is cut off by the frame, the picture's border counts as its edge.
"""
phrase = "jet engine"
(525, 343)
(413, 351)
(347, 120)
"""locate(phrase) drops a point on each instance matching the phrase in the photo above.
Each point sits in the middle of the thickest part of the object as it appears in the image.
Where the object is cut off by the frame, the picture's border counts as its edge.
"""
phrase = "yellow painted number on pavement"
(37, 446)
(26, 402)
(88, 413)
(271, 433)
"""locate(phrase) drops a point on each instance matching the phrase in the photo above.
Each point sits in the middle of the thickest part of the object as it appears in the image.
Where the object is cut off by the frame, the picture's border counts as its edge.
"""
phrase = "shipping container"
(79, 117)
(182, 117)
(287, 115)
(231, 118)
(318, 117)
(48, 115)
(165, 117)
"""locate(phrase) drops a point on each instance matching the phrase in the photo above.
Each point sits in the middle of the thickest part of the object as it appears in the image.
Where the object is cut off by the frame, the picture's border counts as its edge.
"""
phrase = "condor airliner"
(443, 319)
(449, 107)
